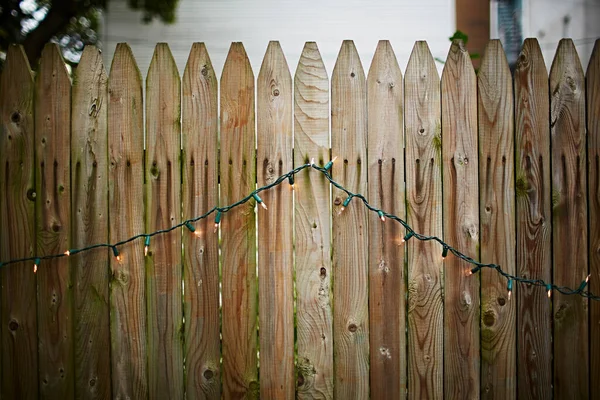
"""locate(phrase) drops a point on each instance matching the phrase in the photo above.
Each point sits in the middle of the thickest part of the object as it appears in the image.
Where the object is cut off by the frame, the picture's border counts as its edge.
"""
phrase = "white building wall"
(328, 22)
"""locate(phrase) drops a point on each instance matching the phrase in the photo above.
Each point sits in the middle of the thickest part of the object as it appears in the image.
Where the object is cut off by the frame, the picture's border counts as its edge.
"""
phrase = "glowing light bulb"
(445, 252)
(381, 216)
(146, 245)
(36, 263)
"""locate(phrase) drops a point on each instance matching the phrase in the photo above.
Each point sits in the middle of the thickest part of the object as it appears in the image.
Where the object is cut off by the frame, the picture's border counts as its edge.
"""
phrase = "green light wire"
(410, 233)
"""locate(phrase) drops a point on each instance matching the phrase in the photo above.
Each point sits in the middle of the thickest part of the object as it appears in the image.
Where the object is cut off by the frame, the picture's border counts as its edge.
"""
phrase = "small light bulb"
(217, 220)
(381, 216)
(146, 245)
(312, 162)
(509, 286)
(67, 253)
(35, 265)
(445, 253)
(116, 253)
(330, 164)
(259, 200)
(587, 278)
(408, 236)
(549, 289)
(198, 233)
(291, 181)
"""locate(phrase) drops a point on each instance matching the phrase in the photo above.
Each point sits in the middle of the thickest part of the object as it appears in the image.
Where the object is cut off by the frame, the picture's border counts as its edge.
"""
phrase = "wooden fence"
(324, 305)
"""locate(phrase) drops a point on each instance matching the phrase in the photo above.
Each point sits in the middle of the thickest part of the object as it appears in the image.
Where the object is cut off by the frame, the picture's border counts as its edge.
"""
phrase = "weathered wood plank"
(18, 308)
(534, 255)
(424, 202)
(387, 309)
(497, 222)
(89, 216)
(200, 193)
(126, 207)
(313, 237)
(53, 210)
(275, 229)
(238, 233)
(350, 242)
(163, 210)
(461, 224)
(569, 222)
(593, 117)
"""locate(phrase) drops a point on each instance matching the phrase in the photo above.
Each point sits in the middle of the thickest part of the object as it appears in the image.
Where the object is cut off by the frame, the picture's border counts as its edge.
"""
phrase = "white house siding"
(328, 22)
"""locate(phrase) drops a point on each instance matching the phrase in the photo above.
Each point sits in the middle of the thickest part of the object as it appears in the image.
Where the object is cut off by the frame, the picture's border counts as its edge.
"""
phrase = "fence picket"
(275, 258)
(422, 117)
(387, 310)
(313, 248)
(461, 224)
(53, 211)
(18, 307)
(593, 117)
(200, 192)
(163, 209)
(126, 208)
(569, 221)
(89, 216)
(238, 178)
(532, 190)
(350, 242)
(497, 222)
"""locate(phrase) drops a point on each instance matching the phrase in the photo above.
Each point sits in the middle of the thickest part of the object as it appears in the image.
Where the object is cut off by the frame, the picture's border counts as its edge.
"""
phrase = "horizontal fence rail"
(303, 289)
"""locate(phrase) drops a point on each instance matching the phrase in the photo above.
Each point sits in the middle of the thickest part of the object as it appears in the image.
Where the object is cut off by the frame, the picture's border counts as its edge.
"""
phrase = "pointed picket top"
(52, 60)
(274, 61)
(348, 64)
(531, 59)
(162, 61)
(18, 64)
(124, 64)
(421, 64)
(238, 64)
(458, 63)
(566, 78)
(199, 66)
(385, 64)
(311, 100)
(274, 89)
(494, 64)
(91, 59)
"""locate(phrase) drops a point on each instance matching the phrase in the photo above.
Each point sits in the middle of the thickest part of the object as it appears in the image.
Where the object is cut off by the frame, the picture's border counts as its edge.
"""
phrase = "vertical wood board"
(18, 305)
(89, 216)
(275, 229)
(593, 117)
(422, 119)
(53, 211)
(461, 224)
(350, 242)
(238, 233)
(126, 208)
(497, 223)
(534, 224)
(312, 229)
(163, 210)
(202, 349)
(387, 313)
(569, 221)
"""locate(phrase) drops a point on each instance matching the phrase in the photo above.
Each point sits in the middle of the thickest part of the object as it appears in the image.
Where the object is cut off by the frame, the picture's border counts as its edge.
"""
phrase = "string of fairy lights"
(219, 212)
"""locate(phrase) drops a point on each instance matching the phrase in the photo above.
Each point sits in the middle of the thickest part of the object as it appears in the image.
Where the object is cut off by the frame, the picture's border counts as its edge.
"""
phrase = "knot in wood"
(13, 325)
(352, 327)
(208, 374)
(15, 117)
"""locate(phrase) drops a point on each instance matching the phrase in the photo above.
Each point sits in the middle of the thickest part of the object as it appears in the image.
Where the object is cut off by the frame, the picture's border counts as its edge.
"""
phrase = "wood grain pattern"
(18, 307)
(461, 224)
(200, 193)
(569, 221)
(534, 254)
(53, 210)
(422, 117)
(163, 210)
(593, 118)
(387, 309)
(497, 222)
(312, 224)
(350, 242)
(89, 219)
(275, 258)
(126, 207)
(238, 247)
